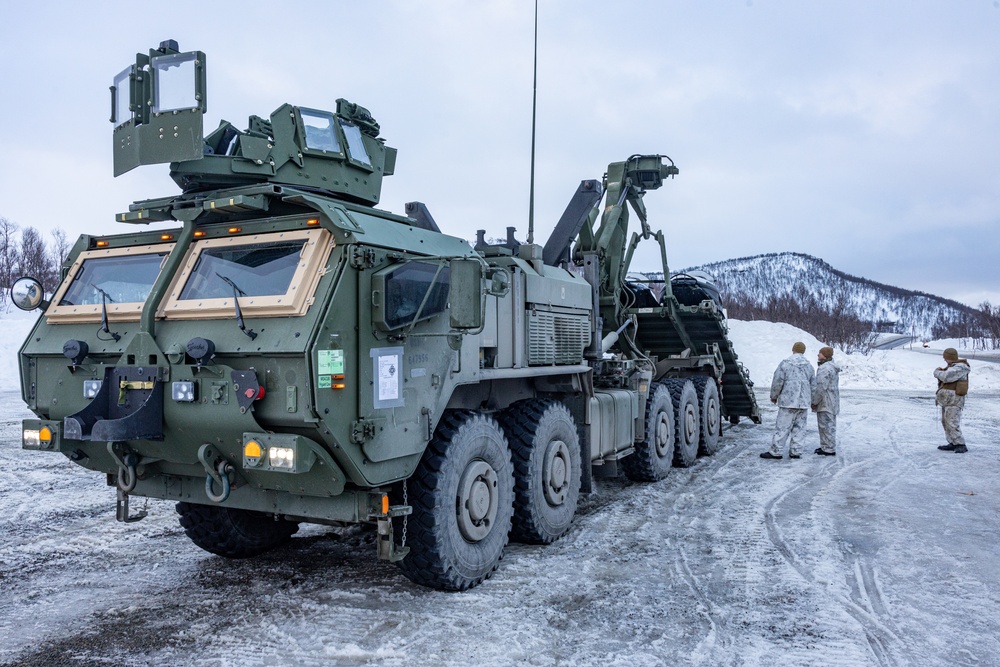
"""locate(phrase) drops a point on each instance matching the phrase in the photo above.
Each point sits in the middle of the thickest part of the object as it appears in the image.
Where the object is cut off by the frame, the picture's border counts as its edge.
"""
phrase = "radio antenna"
(534, 105)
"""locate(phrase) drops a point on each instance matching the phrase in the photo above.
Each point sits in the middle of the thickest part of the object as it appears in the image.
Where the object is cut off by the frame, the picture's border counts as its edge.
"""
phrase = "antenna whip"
(534, 105)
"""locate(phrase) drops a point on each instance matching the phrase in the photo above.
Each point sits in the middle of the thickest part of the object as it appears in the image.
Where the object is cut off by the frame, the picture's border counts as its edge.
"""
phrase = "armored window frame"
(162, 76)
(317, 245)
(121, 97)
(118, 311)
(300, 126)
(357, 152)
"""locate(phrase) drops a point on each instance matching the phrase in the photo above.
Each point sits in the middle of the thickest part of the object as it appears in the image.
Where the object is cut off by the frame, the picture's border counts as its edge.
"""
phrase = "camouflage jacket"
(793, 382)
(826, 393)
(955, 371)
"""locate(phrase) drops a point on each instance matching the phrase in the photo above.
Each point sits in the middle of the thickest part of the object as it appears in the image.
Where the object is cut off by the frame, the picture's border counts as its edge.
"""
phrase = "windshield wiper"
(104, 313)
(236, 301)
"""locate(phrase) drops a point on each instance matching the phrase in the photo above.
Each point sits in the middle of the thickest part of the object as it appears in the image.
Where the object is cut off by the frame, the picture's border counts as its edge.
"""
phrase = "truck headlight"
(90, 388)
(183, 392)
(36, 438)
(278, 452)
(281, 457)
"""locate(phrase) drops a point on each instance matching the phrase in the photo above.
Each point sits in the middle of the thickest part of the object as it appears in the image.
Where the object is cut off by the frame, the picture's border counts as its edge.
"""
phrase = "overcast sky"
(864, 133)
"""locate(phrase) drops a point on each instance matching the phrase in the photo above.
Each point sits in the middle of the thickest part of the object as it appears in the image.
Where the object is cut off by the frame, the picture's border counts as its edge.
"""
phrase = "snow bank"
(14, 328)
(762, 345)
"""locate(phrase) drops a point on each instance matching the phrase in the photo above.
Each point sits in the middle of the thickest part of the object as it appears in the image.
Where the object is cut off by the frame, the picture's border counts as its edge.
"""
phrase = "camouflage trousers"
(951, 419)
(827, 422)
(791, 424)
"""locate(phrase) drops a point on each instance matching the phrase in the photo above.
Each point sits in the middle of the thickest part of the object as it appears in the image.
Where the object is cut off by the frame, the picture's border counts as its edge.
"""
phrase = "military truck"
(286, 352)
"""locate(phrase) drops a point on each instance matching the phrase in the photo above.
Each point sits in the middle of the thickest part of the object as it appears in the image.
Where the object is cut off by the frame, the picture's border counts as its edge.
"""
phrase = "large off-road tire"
(545, 450)
(710, 411)
(655, 454)
(462, 494)
(233, 533)
(687, 421)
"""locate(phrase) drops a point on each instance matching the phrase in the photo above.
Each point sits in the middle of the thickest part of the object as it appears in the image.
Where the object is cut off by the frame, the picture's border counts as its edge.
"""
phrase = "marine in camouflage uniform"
(826, 401)
(791, 390)
(956, 372)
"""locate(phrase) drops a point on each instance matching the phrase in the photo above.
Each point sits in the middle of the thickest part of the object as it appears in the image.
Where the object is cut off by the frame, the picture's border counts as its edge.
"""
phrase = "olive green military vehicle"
(285, 352)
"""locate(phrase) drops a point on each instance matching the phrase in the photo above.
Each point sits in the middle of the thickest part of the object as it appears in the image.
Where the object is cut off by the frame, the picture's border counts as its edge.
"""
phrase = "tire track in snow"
(865, 604)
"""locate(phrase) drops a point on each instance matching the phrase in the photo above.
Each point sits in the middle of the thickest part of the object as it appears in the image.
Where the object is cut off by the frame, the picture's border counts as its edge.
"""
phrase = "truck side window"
(355, 144)
(406, 287)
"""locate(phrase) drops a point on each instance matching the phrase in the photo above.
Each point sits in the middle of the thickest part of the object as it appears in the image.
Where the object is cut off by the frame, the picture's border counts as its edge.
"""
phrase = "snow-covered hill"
(807, 279)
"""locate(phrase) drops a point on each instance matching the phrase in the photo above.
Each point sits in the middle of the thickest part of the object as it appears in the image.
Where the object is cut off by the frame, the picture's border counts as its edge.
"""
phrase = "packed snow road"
(884, 555)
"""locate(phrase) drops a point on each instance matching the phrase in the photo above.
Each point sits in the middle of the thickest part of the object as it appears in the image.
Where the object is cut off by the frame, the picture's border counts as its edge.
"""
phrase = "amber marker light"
(252, 453)
(312, 222)
(102, 244)
(339, 385)
(166, 237)
(235, 230)
(198, 234)
(45, 434)
(385, 504)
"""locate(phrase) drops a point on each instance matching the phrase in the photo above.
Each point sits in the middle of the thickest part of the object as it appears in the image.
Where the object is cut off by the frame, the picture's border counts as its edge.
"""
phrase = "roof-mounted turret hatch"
(158, 106)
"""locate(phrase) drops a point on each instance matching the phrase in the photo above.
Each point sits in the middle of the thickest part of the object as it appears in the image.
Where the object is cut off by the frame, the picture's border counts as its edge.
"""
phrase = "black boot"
(769, 455)
(960, 449)
(823, 452)
(947, 448)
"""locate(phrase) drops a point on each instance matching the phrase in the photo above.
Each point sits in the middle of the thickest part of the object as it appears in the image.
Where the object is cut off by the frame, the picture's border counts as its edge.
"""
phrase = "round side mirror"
(26, 293)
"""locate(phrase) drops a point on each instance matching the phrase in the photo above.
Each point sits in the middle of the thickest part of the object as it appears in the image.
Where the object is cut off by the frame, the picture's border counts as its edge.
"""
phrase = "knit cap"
(826, 352)
(951, 354)
(800, 347)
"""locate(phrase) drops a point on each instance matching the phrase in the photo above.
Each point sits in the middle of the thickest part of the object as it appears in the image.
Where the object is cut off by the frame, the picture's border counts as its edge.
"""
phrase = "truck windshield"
(273, 274)
(120, 279)
(257, 269)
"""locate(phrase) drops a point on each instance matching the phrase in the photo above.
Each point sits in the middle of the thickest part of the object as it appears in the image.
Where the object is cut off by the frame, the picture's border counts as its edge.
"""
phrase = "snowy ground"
(883, 555)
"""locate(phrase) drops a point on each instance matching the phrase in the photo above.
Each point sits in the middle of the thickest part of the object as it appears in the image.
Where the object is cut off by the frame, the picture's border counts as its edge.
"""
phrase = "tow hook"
(126, 473)
(222, 474)
(127, 461)
(218, 471)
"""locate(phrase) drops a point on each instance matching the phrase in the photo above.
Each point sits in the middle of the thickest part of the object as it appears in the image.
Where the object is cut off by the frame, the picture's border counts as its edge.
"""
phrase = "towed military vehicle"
(286, 352)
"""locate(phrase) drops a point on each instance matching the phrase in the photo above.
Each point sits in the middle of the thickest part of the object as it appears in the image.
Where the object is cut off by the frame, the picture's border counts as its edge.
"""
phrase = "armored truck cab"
(284, 352)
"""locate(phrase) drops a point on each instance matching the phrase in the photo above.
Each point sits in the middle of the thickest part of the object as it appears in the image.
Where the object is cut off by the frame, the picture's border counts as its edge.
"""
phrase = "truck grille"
(556, 338)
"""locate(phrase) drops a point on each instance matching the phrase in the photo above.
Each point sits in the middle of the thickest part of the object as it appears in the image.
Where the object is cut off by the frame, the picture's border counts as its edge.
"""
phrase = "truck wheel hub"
(555, 472)
(691, 424)
(662, 436)
(713, 416)
(477, 500)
